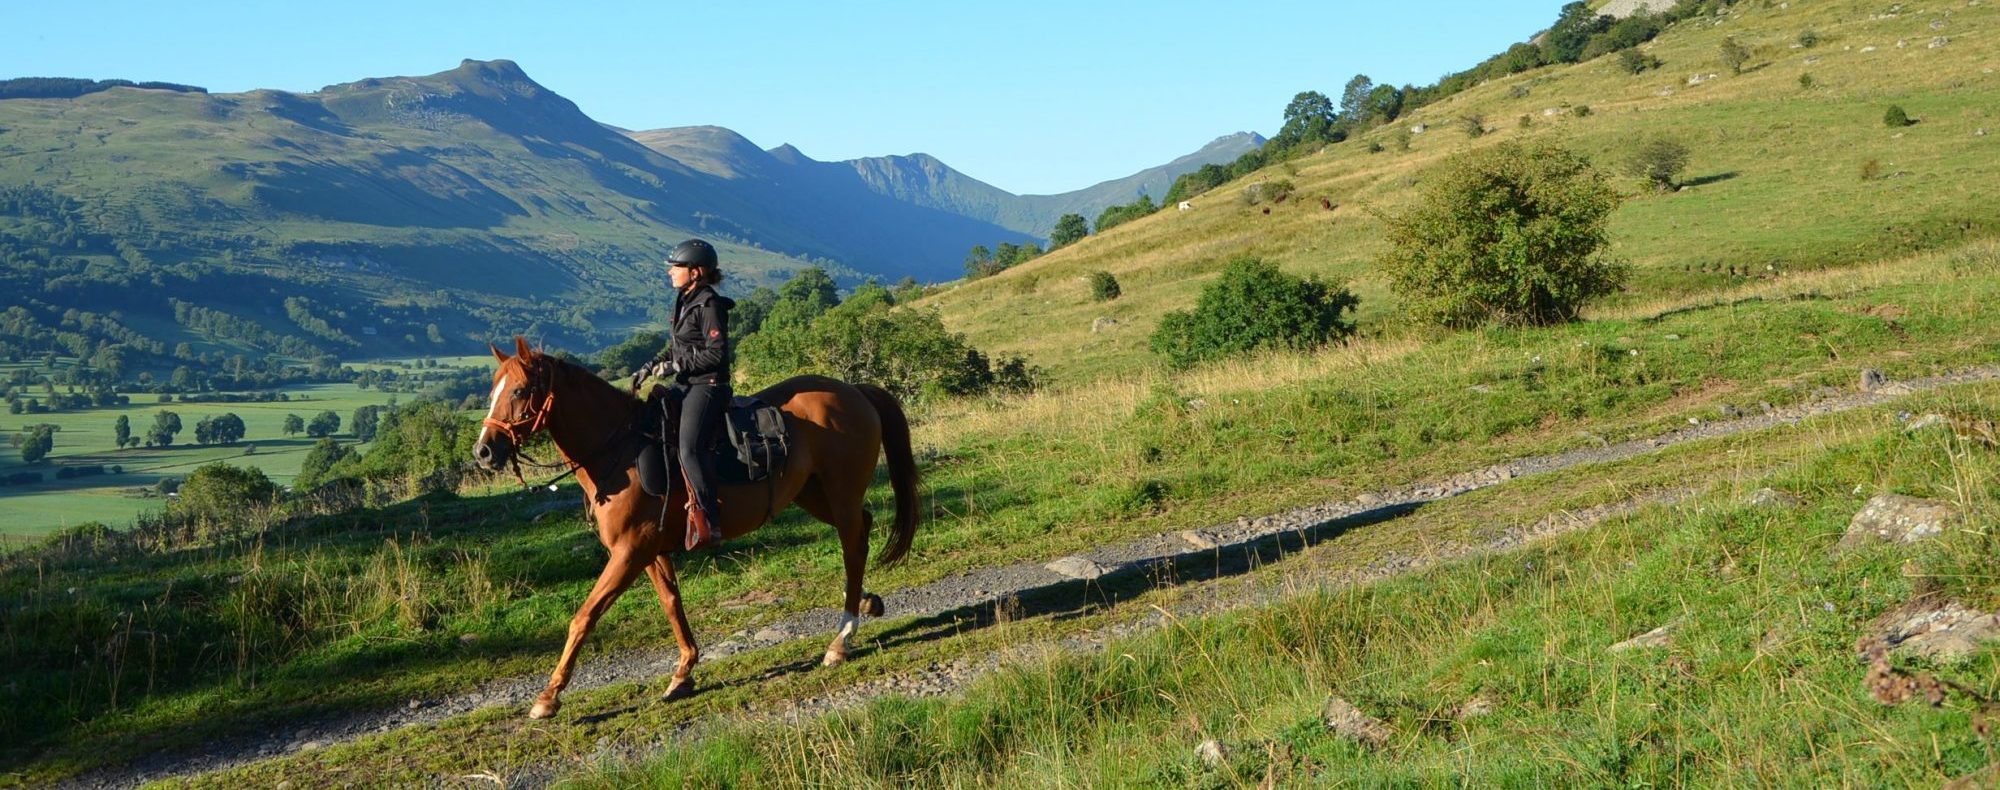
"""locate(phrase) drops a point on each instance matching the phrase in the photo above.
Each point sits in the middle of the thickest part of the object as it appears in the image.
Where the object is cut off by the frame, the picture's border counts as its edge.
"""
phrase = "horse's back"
(825, 402)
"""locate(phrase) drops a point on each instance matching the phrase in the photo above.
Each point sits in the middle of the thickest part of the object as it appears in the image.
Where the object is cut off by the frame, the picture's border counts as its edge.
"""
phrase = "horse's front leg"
(617, 575)
(662, 571)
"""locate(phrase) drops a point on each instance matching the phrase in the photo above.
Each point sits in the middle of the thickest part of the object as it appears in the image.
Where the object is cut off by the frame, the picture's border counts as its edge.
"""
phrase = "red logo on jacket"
(714, 333)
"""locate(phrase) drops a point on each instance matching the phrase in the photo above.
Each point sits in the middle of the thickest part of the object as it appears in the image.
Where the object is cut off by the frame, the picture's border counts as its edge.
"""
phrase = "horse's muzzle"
(493, 453)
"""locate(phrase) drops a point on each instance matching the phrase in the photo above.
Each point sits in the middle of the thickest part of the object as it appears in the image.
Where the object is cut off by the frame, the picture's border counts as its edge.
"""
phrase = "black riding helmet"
(693, 252)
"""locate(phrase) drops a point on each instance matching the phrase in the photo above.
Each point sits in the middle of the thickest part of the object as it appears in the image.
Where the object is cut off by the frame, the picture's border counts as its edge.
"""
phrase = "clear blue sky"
(1032, 97)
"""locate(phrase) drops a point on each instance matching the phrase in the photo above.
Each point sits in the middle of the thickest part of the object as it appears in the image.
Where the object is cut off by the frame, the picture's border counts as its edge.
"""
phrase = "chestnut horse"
(837, 430)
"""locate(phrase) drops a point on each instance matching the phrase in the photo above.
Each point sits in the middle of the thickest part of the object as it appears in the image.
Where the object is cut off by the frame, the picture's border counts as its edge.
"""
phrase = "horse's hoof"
(680, 688)
(833, 659)
(543, 709)
(871, 604)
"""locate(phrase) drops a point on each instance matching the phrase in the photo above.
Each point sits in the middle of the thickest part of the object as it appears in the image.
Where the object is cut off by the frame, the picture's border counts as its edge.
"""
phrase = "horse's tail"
(902, 472)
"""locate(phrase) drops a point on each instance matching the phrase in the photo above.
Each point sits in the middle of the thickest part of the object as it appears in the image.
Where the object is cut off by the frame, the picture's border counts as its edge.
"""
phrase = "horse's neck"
(587, 414)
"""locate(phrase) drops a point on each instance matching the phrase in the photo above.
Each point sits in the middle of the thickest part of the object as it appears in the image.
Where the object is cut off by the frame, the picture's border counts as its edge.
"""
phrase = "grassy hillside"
(1775, 183)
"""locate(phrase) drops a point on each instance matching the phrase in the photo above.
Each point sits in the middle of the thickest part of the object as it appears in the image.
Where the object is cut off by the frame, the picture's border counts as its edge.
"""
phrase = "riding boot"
(701, 530)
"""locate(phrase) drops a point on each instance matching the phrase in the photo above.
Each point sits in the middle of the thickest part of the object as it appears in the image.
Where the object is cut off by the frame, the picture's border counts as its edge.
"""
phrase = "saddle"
(758, 440)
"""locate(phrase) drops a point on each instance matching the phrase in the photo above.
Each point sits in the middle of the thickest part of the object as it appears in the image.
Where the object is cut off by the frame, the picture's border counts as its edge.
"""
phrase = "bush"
(1659, 160)
(1508, 234)
(220, 494)
(1871, 170)
(865, 339)
(1580, 111)
(1895, 117)
(1734, 54)
(1806, 81)
(1808, 38)
(1632, 61)
(1274, 191)
(1254, 306)
(1474, 125)
(1103, 286)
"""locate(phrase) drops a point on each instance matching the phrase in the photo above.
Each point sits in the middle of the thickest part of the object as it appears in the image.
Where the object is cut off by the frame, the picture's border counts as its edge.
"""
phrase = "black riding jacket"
(700, 346)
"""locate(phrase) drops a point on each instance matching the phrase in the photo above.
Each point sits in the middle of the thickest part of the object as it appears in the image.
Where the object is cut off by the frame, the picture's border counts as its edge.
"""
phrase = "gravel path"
(1100, 576)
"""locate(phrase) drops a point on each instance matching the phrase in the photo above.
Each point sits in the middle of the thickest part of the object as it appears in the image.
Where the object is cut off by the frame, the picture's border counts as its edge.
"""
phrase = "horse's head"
(519, 406)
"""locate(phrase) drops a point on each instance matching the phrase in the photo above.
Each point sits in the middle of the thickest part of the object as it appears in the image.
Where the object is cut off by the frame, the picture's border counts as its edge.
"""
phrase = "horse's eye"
(520, 392)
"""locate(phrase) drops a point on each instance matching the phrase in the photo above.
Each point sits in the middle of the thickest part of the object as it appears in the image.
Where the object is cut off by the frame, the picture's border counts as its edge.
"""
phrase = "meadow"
(85, 437)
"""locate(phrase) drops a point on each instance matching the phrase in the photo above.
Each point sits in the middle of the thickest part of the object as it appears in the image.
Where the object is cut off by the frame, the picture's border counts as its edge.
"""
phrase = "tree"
(320, 460)
(1308, 118)
(1575, 24)
(324, 424)
(165, 425)
(219, 429)
(1734, 55)
(1069, 229)
(813, 287)
(366, 418)
(1659, 160)
(1254, 305)
(1510, 233)
(1385, 103)
(37, 444)
(121, 431)
(1354, 101)
(294, 425)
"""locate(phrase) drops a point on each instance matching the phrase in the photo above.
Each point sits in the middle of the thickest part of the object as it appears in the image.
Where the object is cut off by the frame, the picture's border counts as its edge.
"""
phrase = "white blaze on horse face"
(492, 403)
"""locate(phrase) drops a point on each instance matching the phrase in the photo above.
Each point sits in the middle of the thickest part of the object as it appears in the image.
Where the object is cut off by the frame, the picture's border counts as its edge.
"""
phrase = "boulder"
(1772, 498)
(1872, 379)
(1947, 631)
(1077, 568)
(1103, 325)
(1212, 752)
(1894, 518)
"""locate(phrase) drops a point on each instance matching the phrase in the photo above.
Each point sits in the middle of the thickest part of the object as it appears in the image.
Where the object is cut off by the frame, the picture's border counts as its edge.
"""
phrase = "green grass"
(85, 437)
(1776, 172)
(1760, 685)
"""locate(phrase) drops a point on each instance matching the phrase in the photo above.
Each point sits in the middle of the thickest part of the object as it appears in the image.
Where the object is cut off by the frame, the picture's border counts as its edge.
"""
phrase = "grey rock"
(1894, 518)
(1926, 421)
(1199, 539)
(1872, 379)
(1772, 498)
(1342, 718)
(1077, 568)
(1658, 637)
(1103, 324)
(771, 634)
(1476, 707)
(1212, 752)
(1948, 632)
(1729, 412)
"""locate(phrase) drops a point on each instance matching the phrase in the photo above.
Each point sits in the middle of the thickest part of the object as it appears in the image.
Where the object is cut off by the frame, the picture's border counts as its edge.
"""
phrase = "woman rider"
(697, 357)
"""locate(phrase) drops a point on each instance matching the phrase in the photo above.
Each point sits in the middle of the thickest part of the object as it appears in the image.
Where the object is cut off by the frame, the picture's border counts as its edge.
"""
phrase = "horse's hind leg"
(662, 571)
(852, 521)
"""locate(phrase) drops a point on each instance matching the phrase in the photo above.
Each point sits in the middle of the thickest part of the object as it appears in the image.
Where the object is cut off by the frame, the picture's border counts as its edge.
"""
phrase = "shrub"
(1274, 191)
(1580, 111)
(1632, 61)
(1103, 286)
(1252, 306)
(220, 494)
(1806, 81)
(1508, 234)
(1895, 117)
(1474, 125)
(1808, 38)
(1871, 170)
(1527, 121)
(1659, 160)
(1734, 54)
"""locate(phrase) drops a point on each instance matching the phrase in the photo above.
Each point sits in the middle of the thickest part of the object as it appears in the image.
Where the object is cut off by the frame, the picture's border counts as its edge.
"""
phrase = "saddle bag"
(757, 433)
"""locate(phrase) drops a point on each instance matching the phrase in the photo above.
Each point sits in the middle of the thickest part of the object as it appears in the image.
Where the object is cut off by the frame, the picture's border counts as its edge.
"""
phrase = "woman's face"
(682, 275)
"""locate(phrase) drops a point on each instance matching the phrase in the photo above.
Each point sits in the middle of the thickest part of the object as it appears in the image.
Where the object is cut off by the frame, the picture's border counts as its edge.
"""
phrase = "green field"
(85, 437)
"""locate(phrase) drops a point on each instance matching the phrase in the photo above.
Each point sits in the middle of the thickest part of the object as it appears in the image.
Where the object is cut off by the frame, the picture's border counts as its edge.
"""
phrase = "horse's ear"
(521, 348)
(497, 354)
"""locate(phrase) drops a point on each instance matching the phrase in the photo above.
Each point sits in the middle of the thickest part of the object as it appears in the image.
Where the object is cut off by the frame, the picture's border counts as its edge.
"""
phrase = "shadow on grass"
(1702, 181)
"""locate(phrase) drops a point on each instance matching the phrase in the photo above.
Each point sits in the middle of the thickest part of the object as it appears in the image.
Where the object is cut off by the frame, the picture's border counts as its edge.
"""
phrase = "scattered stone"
(1895, 518)
(1342, 718)
(1367, 499)
(1673, 337)
(1939, 42)
(1872, 379)
(1199, 539)
(1077, 568)
(1658, 637)
(1480, 388)
(1812, 61)
(1729, 412)
(1979, 132)
(1103, 324)
(1948, 632)
(1197, 404)
(1772, 498)
(771, 634)
(468, 639)
(1867, 49)
(1766, 407)
(1212, 753)
(1476, 707)
(415, 704)
(1926, 421)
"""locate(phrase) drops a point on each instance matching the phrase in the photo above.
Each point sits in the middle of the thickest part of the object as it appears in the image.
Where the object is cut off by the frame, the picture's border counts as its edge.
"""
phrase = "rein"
(518, 431)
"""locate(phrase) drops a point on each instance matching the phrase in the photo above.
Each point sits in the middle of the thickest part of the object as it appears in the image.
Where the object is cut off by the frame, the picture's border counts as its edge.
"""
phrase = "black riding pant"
(701, 423)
